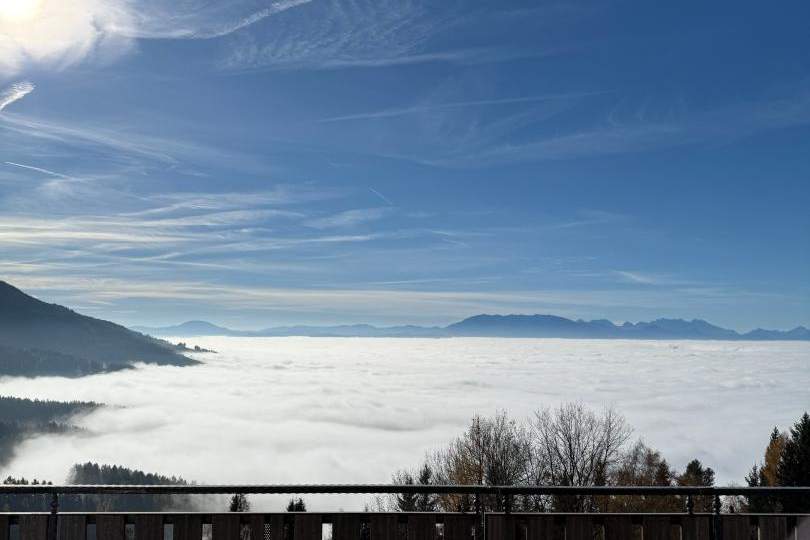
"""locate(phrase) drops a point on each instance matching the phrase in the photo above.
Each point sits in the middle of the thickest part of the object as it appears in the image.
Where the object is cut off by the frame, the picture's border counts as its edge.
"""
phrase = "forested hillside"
(21, 418)
(37, 338)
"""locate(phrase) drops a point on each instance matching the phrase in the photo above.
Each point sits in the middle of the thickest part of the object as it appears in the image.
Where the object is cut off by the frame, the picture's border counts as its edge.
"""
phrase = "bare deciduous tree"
(574, 446)
(493, 451)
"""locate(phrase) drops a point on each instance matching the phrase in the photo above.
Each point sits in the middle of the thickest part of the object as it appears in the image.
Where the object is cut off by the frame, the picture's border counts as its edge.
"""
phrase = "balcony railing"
(481, 525)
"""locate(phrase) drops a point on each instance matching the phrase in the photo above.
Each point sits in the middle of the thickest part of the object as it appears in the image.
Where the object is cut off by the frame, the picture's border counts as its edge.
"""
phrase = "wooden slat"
(618, 528)
(3, 527)
(71, 527)
(384, 527)
(148, 527)
(225, 526)
(802, 529)
(735, 527)
(657, 528)
(773, 528)
(307, 526)
(494, 526)
(421, 527)
(546, 527)
(187, 527)
(346, 527)
(34, 527)
(110, 527)
(579, 528)
(500, 527)
(256, 522)
(458, 526)
(696, 528)
(276, 522)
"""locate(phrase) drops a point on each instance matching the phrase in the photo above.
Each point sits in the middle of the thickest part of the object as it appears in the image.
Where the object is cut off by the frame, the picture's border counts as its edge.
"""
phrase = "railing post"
(718, 526)
(690, 504)
(53, 519)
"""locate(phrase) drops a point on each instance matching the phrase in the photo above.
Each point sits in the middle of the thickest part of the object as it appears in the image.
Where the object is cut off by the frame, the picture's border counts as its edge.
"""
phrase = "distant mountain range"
(547, 326)
(37, 338)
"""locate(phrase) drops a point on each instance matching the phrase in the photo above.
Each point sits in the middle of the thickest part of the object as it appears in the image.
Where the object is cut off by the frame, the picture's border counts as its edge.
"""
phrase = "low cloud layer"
(304, 410)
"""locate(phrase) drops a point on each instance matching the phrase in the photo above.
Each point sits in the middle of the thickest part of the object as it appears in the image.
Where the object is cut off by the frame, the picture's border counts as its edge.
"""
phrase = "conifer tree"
(426, 502)
(239, 503)
(794, 465)
(405, 502)
(698, 475)
(766, 475)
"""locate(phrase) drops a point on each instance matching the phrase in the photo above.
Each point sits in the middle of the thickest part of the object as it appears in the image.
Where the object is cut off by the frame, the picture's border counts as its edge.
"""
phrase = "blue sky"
(305, 161)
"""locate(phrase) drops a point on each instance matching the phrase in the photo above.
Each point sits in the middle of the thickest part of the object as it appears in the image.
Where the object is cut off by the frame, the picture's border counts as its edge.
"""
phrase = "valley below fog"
(354, 410)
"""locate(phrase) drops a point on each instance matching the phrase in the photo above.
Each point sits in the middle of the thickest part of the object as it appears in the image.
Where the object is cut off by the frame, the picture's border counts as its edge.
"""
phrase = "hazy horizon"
(407, 322)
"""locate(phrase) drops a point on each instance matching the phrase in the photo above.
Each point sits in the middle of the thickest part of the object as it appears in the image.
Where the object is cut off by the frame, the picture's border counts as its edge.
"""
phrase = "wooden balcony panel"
(110, 527)
(421, 526)
(307, 527)
(71, 527)
(385, 527)
(33, 526)
(148, 527)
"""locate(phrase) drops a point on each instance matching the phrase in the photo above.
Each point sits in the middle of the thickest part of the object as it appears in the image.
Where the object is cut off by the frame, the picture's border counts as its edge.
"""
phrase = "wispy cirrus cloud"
(331, 35)
(367, 33)
(454, 140)
(348, 218)
(202, 20)
(91, 137)
(37, 169)
(15, 92)
(428, 107)
(656, 279)
(640, 130)
(129, 149)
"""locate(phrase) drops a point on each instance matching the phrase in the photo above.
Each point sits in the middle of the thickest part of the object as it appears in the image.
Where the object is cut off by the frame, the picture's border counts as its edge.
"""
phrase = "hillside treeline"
(23, 410)
(21, 418)
(95, 474)
(39, 362)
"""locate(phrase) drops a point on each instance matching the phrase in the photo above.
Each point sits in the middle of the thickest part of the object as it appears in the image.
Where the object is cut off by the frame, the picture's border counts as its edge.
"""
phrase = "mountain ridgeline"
(517, 326)
(37, 338)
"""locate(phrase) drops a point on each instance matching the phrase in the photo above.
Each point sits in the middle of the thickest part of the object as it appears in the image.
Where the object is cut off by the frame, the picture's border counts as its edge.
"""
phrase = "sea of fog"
(316, 410)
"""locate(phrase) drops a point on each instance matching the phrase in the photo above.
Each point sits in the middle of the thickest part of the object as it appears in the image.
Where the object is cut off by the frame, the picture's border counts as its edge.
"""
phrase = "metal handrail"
(478, 491)
(466, 489)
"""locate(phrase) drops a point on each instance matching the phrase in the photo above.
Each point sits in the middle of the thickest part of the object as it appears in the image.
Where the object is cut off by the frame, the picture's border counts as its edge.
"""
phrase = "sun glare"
(19, 10)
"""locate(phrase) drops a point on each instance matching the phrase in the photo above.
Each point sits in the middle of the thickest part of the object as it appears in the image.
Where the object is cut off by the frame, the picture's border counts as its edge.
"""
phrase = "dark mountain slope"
(56, 340)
